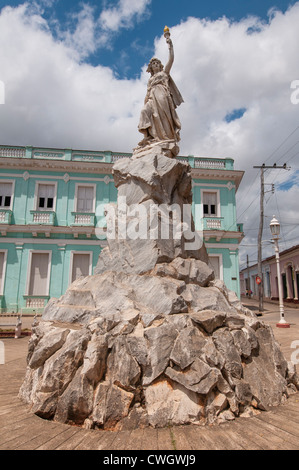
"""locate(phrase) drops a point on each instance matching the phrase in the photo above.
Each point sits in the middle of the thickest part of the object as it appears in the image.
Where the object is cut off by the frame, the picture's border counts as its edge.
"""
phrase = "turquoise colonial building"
(52, 223)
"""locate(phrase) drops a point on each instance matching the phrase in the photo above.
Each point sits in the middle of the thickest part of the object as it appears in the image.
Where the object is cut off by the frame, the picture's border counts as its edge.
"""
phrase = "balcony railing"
(107, 157)
(211, 164)
(118, 156)
(5, 216)
(18, 152)
(213, 223)
(36, 301)
(83, 219)
(43, 217)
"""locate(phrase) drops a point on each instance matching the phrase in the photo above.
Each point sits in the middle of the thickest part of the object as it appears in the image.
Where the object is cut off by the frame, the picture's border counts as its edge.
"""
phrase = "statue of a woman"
(159, 120)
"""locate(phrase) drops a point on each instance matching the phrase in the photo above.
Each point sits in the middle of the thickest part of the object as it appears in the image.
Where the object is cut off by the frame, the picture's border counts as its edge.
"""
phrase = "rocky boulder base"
(132, 360)
(152, 338)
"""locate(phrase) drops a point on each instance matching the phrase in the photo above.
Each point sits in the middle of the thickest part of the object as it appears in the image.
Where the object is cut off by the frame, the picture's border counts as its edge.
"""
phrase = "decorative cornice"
(26, 164)
(223, 235)
(225, 175)
(99, 168)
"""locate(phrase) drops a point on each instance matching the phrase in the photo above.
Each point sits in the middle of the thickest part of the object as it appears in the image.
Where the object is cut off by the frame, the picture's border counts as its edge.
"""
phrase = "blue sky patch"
(292, 181)
(144, 26)
(235, 114)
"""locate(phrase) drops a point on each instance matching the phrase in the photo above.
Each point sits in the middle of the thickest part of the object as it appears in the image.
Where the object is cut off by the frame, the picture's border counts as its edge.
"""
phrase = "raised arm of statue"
(168, 66)
(159, 121)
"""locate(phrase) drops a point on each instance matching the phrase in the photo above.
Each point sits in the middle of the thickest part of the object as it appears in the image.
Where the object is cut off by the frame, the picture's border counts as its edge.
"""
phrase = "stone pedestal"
(152, 338)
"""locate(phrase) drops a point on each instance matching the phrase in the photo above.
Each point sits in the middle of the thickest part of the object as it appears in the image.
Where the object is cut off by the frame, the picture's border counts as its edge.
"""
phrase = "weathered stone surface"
(53, 341)
(157, 186)
(76, 402)
(188, 270)
(206, 298)
(123, 369)
(217, 402)
(224, 342)
(51, 379)
(243, 392)
(152, 338)
(292, 375)
(242, 343)
(183, 368)
(94, 363)
(187, 346)
(261, 372)
(209, 320)
(159, 178)
(160, 343)
(199, 378)
(149, 294)
(111, 405)
(169, 402)
(234, 322)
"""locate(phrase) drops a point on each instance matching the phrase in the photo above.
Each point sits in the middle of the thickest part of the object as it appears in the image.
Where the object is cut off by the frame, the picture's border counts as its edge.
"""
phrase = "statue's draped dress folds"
(159, 119)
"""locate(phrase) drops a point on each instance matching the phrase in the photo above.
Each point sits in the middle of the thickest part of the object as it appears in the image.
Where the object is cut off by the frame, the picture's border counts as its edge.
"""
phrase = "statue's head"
(157, 65)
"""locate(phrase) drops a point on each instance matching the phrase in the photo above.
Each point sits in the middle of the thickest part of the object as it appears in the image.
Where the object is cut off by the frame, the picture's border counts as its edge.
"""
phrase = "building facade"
(289, 269)
(52, 219)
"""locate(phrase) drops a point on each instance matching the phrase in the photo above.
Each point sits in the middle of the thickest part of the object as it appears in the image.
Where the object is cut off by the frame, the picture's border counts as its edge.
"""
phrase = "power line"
(250, 185)
(279, 147)
(284, 154)
(263, 167)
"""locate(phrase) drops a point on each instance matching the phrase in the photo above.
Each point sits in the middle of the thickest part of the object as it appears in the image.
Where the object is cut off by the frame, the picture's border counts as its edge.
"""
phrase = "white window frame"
(50, 183)
(220, 257)
(74, 252)
(40, 252)
(218, 205)
(13, 183)
(4, 271)
(85, 185)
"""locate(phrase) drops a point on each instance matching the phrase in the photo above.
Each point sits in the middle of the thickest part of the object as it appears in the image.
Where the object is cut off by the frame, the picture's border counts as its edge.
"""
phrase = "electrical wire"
(279, 147)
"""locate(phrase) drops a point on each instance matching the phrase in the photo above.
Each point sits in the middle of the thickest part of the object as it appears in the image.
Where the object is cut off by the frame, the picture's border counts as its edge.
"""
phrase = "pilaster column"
(295, 285)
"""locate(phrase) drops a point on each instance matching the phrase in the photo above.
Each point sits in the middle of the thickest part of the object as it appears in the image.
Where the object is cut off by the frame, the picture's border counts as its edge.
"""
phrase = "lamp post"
(275, 231)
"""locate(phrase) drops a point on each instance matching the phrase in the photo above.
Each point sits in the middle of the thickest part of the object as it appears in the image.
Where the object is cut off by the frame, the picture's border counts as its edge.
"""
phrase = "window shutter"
(38, 284)
(5, 194)
(80, 265)
(85, 198)
(215, 262)
(209, 204)
(46, 196)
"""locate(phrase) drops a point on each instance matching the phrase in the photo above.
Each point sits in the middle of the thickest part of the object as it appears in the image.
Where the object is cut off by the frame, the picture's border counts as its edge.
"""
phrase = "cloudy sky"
(75, 77)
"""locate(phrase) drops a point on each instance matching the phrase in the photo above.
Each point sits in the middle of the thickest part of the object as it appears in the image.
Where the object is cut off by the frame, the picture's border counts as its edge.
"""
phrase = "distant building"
(289, 268)
(52, 221)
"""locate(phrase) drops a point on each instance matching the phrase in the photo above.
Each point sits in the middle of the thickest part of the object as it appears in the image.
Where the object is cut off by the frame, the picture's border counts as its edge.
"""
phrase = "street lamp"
(275, 231)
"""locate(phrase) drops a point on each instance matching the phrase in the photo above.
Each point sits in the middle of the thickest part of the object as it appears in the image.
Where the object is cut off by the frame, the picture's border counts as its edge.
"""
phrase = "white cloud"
(55, 99)
(52, 100)
(83, 39)
(123, 14)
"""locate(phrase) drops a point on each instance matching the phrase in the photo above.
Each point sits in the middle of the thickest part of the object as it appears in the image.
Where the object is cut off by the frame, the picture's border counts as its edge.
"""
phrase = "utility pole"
(261, 227)
(248, 278)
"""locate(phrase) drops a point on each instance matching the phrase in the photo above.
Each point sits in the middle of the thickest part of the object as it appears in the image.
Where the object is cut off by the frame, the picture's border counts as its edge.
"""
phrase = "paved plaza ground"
(276, 429)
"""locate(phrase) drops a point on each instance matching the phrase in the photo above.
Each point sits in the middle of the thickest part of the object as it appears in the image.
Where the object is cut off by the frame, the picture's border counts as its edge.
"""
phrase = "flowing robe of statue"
(158, 119)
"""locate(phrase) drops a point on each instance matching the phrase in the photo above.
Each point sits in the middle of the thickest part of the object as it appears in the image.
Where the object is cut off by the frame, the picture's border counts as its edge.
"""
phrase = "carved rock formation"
(152, 338)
